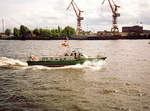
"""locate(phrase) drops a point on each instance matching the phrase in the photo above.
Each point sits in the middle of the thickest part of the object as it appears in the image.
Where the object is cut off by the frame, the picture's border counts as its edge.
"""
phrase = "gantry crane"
(78, 14)
(115, 14)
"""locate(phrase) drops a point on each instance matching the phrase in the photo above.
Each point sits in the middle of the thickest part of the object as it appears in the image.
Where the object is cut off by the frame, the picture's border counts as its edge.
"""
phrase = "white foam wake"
(95, 65)
(8, 62)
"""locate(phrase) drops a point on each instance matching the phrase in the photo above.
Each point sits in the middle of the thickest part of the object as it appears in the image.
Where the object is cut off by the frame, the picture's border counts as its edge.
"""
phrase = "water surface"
(121, 83)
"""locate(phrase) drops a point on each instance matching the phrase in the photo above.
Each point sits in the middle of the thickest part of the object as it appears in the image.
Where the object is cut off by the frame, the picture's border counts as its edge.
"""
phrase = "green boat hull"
(63, 63)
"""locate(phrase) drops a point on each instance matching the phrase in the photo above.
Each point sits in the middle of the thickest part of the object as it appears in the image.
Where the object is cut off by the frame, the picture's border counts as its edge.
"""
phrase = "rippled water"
(121, 83)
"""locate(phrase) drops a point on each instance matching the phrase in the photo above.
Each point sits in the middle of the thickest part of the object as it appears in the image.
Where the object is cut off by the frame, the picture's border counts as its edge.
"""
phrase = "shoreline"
(78, 38)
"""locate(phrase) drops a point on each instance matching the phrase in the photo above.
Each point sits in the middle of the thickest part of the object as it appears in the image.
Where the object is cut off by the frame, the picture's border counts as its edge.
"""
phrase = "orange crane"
(115, 14)
(78, 14)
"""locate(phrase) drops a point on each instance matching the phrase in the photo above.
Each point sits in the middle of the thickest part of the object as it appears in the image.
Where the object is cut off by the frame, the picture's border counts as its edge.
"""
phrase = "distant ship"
(70, 57)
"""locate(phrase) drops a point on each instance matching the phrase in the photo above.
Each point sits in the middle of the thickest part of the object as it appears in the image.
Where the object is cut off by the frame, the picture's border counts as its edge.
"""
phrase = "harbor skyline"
(50, 14)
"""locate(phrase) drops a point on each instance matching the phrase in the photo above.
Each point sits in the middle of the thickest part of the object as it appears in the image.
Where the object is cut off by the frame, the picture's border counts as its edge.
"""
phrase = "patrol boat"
(70, 57)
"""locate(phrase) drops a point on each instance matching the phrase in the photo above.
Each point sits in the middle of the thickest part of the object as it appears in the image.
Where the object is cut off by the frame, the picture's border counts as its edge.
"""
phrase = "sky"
(51, 13)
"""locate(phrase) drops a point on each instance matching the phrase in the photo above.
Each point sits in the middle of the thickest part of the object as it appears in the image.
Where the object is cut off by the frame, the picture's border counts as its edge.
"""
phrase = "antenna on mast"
(3, 26)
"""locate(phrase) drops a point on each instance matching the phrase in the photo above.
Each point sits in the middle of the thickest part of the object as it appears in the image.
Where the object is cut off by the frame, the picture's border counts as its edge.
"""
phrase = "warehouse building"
(136, 28)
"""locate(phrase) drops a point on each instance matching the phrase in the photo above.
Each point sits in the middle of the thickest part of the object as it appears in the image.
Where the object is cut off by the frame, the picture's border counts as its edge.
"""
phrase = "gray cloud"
(51, 13)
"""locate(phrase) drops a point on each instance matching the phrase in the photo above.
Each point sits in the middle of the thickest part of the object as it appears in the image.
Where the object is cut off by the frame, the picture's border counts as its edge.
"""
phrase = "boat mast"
(3, 26)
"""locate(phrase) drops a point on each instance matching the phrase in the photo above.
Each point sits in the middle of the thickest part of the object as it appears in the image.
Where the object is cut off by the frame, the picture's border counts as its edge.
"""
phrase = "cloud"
(51, 13)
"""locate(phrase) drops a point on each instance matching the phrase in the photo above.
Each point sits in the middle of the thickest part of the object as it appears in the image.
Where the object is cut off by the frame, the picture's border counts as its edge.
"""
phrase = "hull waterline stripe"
(56, 65)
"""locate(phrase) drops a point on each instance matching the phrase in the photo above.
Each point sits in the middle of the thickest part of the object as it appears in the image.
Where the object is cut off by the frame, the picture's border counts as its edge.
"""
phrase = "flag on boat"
(65, 43)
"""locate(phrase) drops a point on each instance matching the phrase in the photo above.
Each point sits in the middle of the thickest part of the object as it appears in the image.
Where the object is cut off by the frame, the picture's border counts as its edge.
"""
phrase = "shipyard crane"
(78, 14)
(115, 14)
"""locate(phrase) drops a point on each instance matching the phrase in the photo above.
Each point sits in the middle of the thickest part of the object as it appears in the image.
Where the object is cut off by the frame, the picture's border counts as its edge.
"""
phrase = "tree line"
(24, 32)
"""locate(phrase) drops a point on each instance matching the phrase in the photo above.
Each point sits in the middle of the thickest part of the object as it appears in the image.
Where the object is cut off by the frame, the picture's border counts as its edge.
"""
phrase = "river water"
(121, 83)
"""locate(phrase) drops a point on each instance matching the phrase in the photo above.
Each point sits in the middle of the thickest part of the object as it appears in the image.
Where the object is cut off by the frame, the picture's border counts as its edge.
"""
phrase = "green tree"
(24, 31)
(8, 32)
(59, 29)
(55, 33)
(45, 33)
(60, 34)
(16, 32)
(36, 32)
(68, 31)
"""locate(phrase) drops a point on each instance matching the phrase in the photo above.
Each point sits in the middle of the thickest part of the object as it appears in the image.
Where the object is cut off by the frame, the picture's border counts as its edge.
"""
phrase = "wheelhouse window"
(66, 54)
(45, 59)
(81, 54)
(71, 54)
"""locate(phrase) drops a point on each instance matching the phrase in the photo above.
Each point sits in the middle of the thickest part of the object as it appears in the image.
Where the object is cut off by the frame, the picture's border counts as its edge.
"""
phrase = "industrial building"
(136, 29)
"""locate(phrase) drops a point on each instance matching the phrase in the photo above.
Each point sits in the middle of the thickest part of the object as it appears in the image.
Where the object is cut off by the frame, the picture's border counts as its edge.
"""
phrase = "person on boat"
(65, 43)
